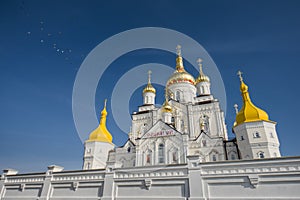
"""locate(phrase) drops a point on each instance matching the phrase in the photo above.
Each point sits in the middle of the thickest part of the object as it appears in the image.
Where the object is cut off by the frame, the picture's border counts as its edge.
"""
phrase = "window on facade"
(261, 154)
(147, 99)
(128, 149)
(172, 119)
(203, 143)
(161, 153)
(214, 157)
(232, 156)
(175, 157)
(271, 135)
(177, 95)
(88, 166)
(182, 125)
(242, 137)
(148, 157)
(257, 135)
(202, 88)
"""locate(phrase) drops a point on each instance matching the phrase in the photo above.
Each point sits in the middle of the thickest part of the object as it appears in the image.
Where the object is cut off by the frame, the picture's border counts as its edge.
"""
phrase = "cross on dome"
(178, 50)
(149, 76)
(199, 61)
(240, 75)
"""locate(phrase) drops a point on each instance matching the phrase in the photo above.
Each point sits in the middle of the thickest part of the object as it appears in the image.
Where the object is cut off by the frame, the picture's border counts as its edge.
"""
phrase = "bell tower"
(255, 134)
(97, 147)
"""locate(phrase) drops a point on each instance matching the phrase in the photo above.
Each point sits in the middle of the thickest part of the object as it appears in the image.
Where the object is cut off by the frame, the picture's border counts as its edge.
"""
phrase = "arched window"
(181, 125)
(203, 143)
(202, 89)
(161, 153)
(88, 165)
(128, 149)
(232, 156)
(175, 156)
(204, 123)
(148, 157)
(147, 100)
(261, 154)
(177, 95)
(214, 157)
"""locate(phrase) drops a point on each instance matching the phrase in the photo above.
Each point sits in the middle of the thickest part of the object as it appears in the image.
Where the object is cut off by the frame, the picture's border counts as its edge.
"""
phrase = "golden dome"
(180, 75)
(249, 112)
(202, 77)
(101, 134)
(166, 106)
(149, 87)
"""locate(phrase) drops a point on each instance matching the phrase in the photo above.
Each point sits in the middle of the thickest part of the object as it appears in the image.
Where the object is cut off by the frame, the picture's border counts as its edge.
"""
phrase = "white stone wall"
(252, 179)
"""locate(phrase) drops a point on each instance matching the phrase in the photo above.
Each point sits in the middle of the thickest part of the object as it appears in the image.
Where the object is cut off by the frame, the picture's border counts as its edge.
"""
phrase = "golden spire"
(101, 134)
(149, 87)
(249, 112)
(202, 77)
(166, 106)
(179, 63)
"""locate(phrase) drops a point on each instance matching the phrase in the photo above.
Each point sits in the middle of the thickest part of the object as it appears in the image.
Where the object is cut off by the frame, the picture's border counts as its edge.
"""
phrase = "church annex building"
(179, 151)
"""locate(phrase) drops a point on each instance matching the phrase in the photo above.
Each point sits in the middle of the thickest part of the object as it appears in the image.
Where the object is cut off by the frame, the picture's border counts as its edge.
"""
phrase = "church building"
(190, 123)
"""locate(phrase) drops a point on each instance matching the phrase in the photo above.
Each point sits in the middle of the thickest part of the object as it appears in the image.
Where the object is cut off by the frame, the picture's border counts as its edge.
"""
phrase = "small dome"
(202, 77)
(166, 107)
(149, 88)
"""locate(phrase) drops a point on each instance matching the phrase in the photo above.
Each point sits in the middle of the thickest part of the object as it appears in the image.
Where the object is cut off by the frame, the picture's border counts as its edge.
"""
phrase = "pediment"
(160, 129)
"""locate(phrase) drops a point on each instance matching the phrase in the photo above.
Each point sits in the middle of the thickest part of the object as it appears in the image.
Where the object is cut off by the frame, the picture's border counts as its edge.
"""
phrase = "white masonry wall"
(274, 178)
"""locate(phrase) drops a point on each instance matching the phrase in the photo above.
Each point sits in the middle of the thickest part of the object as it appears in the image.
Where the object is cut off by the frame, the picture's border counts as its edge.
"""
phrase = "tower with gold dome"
(181, 84)
(255, 134)
(98, 145)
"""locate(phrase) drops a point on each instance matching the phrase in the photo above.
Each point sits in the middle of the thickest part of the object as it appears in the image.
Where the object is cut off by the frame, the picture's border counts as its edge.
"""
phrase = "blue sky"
(261, 38)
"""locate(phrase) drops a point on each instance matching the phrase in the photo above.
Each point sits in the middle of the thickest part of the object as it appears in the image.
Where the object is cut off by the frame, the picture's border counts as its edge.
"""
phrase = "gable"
(160, 129)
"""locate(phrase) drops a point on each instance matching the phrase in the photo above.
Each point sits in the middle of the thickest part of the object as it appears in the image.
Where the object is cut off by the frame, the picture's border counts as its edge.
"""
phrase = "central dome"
(180, 75)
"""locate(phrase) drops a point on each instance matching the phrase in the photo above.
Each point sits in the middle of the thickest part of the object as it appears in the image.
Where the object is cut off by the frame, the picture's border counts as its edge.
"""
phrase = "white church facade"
(178, 151)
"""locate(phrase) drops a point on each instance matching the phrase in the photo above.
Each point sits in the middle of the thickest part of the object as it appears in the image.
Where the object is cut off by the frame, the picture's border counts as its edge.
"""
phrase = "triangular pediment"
(129, 143)
(160, 129)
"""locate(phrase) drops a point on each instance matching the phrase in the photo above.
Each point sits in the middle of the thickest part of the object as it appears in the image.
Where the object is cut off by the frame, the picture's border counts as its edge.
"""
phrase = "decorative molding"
(254, 180)
(239, 170)
(22, 187)
(125, 175)
(22, 180)
(148, 183)
(75, 185)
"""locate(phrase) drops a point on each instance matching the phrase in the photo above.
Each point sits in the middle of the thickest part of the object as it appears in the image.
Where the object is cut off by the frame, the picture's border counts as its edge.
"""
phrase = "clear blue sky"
(261, 38)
